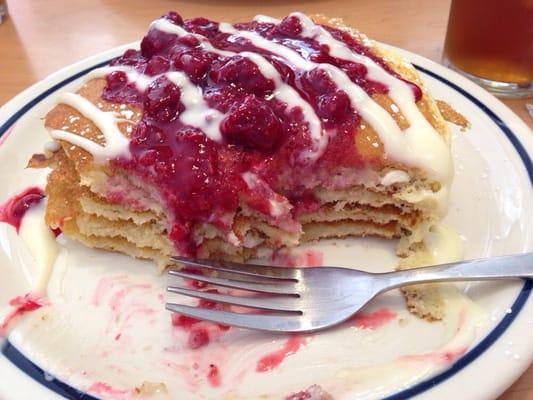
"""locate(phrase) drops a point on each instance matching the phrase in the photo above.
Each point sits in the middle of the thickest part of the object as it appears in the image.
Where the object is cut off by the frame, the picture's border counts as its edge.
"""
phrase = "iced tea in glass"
(491, 42)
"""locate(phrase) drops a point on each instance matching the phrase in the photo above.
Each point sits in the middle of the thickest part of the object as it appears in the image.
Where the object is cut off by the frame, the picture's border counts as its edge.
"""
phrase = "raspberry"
(157, 65)
(194, 63)
(253, 125)
(242, 72)
(320, 80)
(334, 106)
(290, 26)
(174, 17)
(116, 80)
(162, 100)
(355, 71)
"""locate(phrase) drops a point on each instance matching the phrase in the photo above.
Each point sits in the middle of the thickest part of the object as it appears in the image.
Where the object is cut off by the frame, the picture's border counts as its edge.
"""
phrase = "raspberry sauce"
(272, 360)
(200, 333)
(372, 320)
(21, 305)
(14, 208)
(213, 375)
(201, 179)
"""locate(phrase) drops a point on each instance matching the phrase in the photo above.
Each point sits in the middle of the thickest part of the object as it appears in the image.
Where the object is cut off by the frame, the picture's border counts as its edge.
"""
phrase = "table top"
(40, 37)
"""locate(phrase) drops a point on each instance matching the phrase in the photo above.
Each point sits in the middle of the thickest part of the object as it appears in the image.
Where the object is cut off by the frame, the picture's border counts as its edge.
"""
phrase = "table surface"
(40, 37)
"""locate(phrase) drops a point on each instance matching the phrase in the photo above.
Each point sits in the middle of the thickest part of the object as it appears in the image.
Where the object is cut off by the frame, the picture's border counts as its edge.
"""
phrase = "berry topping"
(355, 71)
(198, 175)
(334, 105)
(156, 42)
(241, 72)
(116, 80)
(162, 100)
(174, 17)
(157, 65)
(194, 63)
(319, 81)
(189, 41)
(252, 125)
(290, 26)
(120, 89)
(130, 57)
(15, 207)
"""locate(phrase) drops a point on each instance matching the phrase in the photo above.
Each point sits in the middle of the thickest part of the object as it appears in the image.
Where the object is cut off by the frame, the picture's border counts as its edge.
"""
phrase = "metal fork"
(313, 298)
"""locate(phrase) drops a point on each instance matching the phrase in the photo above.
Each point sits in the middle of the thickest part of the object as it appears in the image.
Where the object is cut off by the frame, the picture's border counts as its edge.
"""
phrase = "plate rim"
(513, 128)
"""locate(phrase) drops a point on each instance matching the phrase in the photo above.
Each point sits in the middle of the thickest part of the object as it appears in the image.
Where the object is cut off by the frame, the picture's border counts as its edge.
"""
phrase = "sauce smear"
(14, 208)
(372, 320)
(22, 305)
(213, 375)
(272, 360)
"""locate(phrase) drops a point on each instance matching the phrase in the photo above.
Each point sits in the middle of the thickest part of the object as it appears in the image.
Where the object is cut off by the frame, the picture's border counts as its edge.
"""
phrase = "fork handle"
(515, 266)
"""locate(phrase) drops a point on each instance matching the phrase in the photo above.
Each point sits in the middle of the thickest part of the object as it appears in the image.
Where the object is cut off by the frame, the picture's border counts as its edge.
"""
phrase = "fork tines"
(268, 292)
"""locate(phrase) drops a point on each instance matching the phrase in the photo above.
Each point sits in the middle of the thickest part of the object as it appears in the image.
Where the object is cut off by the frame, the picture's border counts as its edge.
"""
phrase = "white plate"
(491, 208)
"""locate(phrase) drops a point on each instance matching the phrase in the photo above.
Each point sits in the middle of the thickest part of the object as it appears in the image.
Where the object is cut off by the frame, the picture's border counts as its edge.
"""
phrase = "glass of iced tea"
(491, 42)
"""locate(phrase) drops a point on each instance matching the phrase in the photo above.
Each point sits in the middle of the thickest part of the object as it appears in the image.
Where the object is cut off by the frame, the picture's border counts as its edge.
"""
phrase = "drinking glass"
(491, 42)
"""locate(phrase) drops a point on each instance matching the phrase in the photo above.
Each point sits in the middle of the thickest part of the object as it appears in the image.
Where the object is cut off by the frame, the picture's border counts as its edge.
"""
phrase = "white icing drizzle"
(425, 144)
(444, 245)
(42, 245)
(117, 145)
(52, 146)
(141, 81)
(395, 176)
(197, 113)
(419, 145)
(251, 180)
(282, 91)
(266, 19)
(277, 209)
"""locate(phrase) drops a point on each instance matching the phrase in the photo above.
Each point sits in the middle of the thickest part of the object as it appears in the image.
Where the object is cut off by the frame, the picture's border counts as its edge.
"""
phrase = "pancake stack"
(385, 184)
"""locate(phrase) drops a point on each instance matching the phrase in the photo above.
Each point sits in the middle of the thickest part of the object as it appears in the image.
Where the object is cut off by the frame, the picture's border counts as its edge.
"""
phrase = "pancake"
(233, 141)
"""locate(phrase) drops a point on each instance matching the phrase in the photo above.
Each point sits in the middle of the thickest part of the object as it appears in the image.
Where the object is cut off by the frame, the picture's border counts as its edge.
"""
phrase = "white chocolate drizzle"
(197, 112)
(395, 176)
(425, 147)
(444, 245)
(42, 245)
(117, 145)
(282, 91)
(419, 145)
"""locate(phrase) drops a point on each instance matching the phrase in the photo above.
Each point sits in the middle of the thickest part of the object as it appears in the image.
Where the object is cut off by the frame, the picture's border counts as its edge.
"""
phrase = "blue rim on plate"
(69, 392)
